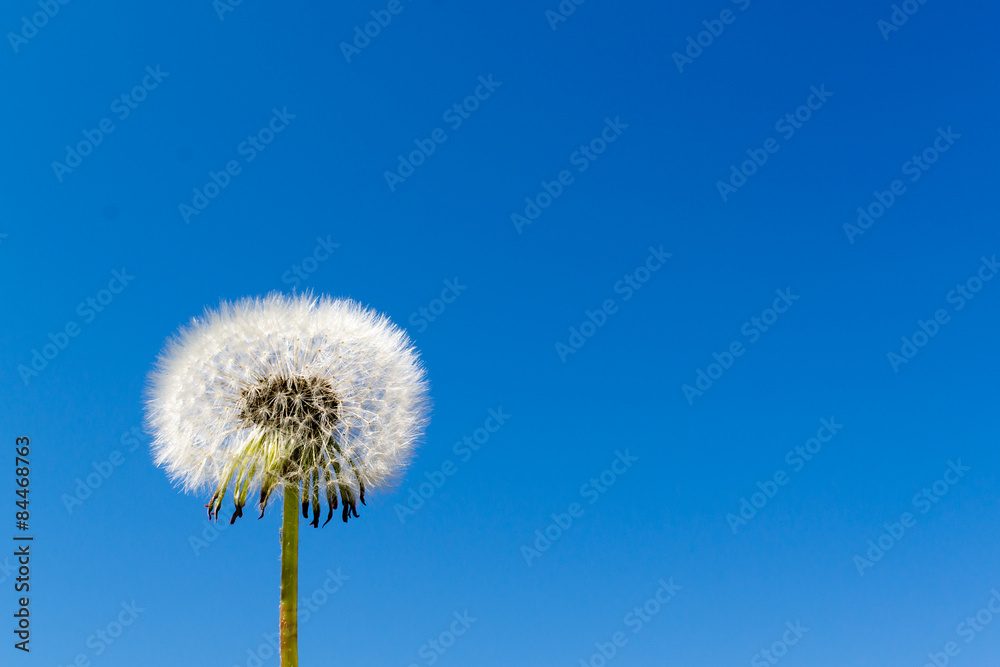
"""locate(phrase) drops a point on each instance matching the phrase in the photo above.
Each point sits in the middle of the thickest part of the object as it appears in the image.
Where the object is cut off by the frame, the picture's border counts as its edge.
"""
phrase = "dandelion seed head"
(278, 390)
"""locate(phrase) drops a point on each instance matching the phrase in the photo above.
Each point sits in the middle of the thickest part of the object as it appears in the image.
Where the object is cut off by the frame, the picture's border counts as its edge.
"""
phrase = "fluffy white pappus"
(281, 389)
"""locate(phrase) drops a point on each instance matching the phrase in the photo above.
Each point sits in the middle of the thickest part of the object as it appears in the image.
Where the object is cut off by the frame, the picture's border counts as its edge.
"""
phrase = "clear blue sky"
(289, 135)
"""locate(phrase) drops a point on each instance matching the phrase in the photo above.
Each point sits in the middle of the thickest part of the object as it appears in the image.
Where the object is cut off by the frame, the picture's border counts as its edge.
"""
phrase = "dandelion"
(287, 393)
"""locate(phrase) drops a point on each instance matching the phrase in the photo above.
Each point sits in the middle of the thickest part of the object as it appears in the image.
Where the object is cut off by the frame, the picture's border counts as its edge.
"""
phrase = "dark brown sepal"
(361, 482)
(211, 504)
(264, 493)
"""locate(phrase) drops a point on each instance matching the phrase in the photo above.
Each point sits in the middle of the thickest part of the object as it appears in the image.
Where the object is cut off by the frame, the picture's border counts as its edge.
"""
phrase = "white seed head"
(287, 390)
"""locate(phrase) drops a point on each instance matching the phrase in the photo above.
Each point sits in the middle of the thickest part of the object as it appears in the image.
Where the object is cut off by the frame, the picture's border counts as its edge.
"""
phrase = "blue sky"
(672, 219)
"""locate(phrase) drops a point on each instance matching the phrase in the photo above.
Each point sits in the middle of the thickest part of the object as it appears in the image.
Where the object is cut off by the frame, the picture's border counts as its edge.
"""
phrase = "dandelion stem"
(290, 578)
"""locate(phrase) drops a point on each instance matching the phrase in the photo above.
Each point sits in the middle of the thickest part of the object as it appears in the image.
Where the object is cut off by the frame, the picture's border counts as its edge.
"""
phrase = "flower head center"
(299, 405)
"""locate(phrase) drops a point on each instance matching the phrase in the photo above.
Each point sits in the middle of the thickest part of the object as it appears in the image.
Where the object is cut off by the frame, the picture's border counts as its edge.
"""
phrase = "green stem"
(290, 578)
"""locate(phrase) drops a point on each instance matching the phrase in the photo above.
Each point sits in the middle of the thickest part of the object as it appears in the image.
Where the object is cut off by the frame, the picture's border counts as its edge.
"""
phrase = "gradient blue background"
(495, 345)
